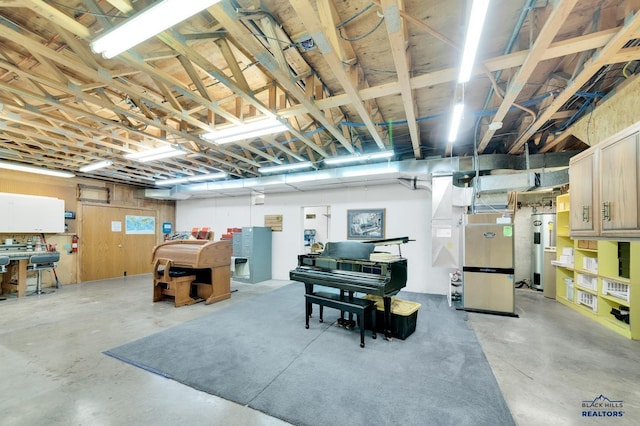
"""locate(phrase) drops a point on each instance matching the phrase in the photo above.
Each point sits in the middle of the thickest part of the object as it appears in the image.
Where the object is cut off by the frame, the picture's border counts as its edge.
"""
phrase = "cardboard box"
(588, 244)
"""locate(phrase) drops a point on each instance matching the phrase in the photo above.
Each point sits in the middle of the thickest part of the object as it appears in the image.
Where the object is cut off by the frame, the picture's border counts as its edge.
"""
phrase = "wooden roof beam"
(54, 15)
(228, 17)
(447, 75)
(172, 39)
(319, 32)
(232, 62)
(123, 6)
(397, 31)
(553, 24)
(599, 59)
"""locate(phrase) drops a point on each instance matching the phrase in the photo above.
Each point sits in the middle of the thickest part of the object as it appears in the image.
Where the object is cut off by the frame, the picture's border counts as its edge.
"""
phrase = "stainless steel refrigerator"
(488, 264)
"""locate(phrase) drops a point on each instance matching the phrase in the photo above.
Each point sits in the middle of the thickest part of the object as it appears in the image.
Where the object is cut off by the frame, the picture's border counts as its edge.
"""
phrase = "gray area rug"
(258, 353)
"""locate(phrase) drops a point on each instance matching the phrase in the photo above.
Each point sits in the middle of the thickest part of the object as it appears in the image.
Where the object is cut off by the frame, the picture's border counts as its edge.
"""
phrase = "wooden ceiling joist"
(560, 12)
(597, 61)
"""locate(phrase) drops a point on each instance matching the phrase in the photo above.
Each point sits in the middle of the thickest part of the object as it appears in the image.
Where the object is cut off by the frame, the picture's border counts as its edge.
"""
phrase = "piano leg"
(308, 289)
(342, 322)
(387, 318)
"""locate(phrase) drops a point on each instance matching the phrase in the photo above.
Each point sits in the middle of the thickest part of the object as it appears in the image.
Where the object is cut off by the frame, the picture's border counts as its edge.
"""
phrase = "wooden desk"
(19, 261)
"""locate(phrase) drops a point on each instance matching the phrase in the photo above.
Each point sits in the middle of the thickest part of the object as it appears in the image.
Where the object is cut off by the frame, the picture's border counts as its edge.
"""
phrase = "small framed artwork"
(365, 224)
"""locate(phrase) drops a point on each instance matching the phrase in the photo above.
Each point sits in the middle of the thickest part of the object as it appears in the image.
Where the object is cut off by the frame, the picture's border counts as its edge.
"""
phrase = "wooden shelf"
(586, 310)
(610, 255)
(587, 250)
(614, 299)
(586, 289)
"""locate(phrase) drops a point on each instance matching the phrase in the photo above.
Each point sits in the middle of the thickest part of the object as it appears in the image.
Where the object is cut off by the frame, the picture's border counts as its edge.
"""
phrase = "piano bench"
(354, 305)
(176, 288)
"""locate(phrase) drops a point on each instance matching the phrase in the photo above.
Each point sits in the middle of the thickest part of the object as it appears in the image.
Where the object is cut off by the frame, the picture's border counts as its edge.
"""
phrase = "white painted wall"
(408, 213)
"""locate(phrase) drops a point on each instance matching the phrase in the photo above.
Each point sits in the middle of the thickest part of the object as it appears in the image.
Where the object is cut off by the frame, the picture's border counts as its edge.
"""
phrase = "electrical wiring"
(352, 18)
(360, 37)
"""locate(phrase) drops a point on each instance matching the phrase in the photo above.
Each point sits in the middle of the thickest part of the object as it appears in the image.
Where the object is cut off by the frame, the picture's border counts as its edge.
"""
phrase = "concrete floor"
(53, 371)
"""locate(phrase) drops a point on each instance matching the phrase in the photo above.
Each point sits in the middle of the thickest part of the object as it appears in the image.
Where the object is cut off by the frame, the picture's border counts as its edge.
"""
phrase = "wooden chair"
(174, 284)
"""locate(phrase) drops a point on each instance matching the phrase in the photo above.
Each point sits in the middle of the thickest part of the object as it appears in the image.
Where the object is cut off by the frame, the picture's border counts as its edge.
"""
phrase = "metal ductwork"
(521, 182)
(413, 174)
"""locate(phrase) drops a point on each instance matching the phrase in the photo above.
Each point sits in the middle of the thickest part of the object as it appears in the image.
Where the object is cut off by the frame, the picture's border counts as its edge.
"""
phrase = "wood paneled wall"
(71, 265)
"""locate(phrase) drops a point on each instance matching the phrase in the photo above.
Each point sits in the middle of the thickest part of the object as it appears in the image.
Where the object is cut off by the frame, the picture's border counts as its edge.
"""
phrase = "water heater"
(544, 235)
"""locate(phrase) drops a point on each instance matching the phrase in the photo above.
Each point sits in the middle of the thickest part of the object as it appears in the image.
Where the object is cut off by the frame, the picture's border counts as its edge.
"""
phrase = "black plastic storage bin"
(404, 316)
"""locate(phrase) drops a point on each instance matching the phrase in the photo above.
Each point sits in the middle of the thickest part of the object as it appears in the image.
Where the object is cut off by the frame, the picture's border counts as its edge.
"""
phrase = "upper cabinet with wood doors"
(619, 187)
(605, 188)
(583, 179)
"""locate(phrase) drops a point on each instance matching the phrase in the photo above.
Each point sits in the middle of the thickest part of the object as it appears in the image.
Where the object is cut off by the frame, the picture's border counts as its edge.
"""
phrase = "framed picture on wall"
(365, 224)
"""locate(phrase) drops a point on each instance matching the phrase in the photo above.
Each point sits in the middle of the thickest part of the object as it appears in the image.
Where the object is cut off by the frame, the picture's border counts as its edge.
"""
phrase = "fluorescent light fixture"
(155, 154)
(286, 167)
(147, 23)
(197, 178)
(96, 166)
(246, 130)
(38, 170)
(476, 22)
(456, 117)
(358, 158)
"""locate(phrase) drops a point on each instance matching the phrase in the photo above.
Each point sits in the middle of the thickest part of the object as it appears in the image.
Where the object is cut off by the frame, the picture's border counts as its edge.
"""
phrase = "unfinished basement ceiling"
(349, 77)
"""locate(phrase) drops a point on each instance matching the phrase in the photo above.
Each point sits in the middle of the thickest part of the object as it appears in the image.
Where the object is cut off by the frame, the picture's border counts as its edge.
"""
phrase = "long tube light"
(247, 130)
(155, 154)
(198, 178)
(456, 118)
(476, 22)
(38, 170)
(96, 166)
(285, 167)
(358, 158)
(147, 23)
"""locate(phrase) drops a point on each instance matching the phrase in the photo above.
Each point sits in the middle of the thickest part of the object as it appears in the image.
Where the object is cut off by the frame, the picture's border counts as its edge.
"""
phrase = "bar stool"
(40, 262)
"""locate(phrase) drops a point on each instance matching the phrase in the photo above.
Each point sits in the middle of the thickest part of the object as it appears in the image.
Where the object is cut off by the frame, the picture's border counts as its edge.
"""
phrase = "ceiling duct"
(412, 174)
(512, 182)
(521, 182)
(414, 183)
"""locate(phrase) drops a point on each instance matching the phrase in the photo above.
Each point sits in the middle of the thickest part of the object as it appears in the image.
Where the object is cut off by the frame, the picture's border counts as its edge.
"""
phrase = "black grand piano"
(354, 267)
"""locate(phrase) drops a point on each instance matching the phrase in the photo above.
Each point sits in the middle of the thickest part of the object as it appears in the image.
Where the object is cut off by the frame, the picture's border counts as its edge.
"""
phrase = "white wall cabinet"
(21, 214)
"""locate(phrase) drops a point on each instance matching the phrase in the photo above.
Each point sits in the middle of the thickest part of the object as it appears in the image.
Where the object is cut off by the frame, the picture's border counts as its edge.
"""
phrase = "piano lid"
(390, 241)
